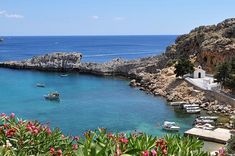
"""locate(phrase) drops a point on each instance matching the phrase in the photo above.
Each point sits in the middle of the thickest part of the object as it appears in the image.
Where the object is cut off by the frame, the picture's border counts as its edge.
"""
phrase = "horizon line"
(83, 35)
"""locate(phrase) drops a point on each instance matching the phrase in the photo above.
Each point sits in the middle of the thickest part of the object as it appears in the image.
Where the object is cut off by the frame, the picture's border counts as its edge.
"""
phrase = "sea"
(87, 101)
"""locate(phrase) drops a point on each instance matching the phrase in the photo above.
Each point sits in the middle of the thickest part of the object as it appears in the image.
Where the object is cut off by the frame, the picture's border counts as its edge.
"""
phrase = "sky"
(109, 17)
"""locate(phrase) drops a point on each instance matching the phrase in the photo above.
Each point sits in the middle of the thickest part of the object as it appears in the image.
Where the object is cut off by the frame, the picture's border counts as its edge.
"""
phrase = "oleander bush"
(30, 138)
(230, 147)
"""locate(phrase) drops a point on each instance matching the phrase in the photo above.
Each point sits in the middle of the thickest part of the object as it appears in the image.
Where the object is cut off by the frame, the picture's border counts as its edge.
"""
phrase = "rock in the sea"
(133, 83)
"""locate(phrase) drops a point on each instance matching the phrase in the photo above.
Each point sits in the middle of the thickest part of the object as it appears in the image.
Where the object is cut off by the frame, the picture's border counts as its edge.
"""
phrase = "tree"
(223, 72)
(226, 74)
(230, 147)
(231, 79)
(183, 67)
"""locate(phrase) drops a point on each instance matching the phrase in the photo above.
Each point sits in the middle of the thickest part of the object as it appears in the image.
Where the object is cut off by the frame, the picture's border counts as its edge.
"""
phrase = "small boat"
(192, 111)
(52, 96)
(170, 126)
(1, 39)
(177, 103)
(206, 126)
(208, 117)
(64, 75)
(204, 121)
(191, 108)
(40, 85)
(190, 105)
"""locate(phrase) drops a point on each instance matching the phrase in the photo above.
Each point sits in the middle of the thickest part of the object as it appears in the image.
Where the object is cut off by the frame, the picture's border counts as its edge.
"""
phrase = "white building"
(199, 73)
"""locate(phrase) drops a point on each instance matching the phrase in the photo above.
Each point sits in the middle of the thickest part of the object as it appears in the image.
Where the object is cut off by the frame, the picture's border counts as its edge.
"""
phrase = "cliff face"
(208, 45)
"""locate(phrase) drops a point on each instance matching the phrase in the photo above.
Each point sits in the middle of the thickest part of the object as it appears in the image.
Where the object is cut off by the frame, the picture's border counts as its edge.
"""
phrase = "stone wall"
(221, 97)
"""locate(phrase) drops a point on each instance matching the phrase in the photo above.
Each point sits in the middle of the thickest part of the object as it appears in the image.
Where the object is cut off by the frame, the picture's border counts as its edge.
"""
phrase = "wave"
(117, 54)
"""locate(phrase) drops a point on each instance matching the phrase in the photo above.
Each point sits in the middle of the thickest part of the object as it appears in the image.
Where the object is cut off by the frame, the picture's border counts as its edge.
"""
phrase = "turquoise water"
(87, 102)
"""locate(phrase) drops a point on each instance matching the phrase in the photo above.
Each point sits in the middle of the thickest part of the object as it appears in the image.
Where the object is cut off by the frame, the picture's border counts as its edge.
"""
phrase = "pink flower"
(21, 121)
(35, 131)
(12, 115)
(52, 150)
(164, 151)
(59, 152)
(76, 138)
(3, 115)
(123, 140)
(110, 135)
(10, 132)
(5, 125)
(154, 153)
(221, 152)
(145, 153)
(48, 130)
(75, 146)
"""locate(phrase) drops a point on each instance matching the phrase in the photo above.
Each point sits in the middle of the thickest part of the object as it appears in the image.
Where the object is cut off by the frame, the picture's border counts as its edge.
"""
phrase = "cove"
(87, 102)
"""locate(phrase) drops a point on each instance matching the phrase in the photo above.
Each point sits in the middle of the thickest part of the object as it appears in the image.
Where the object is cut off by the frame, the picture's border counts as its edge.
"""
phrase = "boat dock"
(219, 135)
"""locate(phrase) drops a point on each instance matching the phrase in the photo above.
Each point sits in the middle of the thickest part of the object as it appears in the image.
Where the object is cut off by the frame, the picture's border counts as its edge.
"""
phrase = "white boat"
(177, 103)
(64, 75)
(208, 117)
(206, 126)
(192, 111)
(52, 96)
(190, 105)
(204, 121)
(192, 108)
(170, 126)
(40, 85)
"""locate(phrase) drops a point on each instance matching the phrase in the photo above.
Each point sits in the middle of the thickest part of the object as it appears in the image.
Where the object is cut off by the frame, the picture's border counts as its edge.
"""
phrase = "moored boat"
(206, 126)
(190, 105)
(52, 96)
(192, 111)
(177, 103)
(170, 126)
(204, 121)
(40, 85)
(64, 75)
(208, 117)
(192, 108)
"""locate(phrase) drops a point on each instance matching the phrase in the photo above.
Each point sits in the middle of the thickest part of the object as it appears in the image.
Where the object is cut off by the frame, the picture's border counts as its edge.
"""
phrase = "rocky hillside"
(208, 45)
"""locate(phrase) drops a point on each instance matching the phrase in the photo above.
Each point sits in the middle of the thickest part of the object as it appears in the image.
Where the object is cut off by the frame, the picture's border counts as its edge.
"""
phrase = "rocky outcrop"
(72, 62)
(58, 61)
(209, 45)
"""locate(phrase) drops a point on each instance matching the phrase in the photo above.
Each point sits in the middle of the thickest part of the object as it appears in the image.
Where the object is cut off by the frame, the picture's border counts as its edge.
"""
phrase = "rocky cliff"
(207, 45)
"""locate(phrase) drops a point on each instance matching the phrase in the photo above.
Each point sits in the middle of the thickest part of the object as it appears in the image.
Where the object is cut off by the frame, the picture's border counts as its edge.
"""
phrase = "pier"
(219, 135)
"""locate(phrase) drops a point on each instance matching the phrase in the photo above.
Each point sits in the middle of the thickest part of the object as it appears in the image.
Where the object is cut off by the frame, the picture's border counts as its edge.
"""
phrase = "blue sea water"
(87, 101)
(93, 48)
